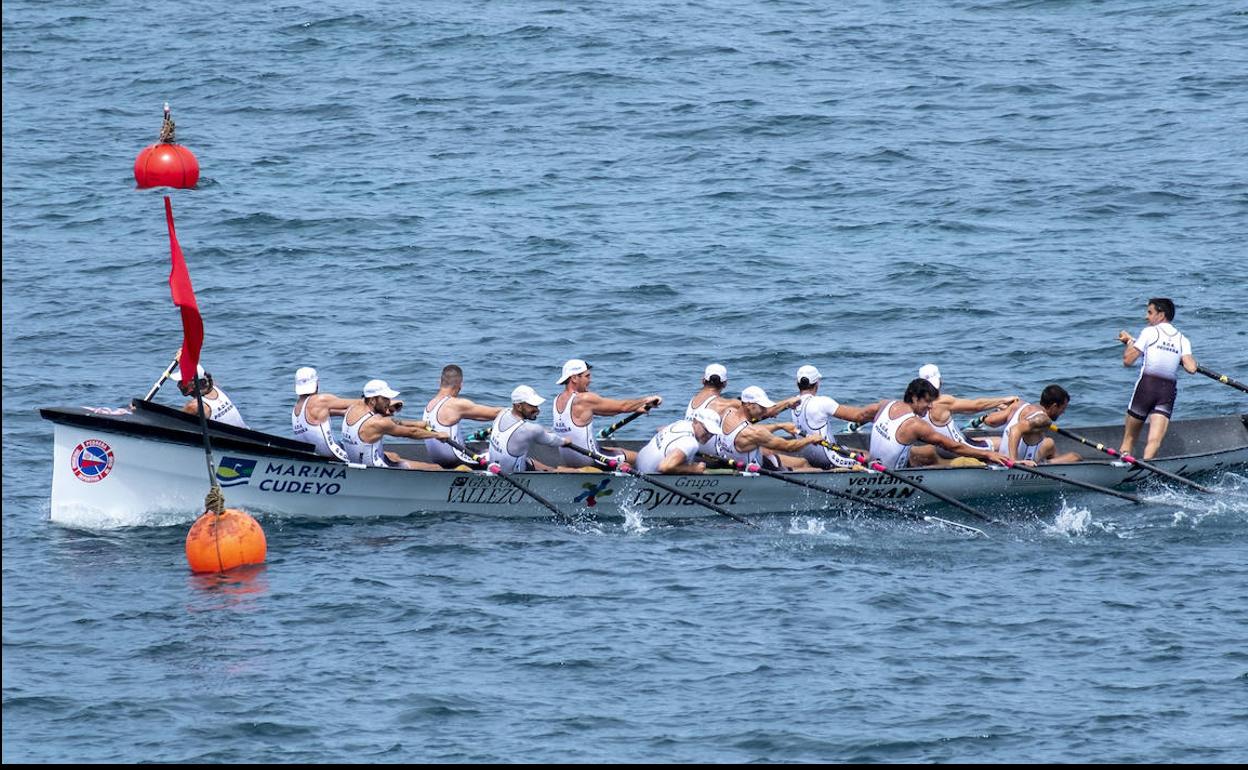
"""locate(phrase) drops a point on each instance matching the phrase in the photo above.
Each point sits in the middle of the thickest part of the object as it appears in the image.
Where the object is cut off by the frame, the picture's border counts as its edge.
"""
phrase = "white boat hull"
(105, 476)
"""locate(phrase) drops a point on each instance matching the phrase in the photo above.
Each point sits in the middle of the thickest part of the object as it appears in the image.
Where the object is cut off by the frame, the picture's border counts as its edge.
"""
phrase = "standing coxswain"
(445, 411)
(899, 426)
(1163, 349)
(311, 417)
(576, 407)
(514, 433)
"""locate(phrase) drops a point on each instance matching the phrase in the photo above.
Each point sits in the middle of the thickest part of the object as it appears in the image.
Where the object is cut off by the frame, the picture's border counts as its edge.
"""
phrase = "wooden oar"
(614, 464)
(1017, 466)
(837, 493)
(1129, 459)
(612, 428)
(164, 376)
(1222, 378)
(876, 465)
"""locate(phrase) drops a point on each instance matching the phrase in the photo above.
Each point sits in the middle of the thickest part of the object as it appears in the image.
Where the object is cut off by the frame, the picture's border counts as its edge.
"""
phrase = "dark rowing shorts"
(1153, 395)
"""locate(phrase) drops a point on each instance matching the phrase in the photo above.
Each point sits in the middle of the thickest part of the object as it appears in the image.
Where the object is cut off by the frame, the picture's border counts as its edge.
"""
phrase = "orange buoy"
(222, 541)
(166, 164)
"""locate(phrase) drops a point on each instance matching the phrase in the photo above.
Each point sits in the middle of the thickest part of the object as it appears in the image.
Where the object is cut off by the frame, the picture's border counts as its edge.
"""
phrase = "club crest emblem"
(91, 461)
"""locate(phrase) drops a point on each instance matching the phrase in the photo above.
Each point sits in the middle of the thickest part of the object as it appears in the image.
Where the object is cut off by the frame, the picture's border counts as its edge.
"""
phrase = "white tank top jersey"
(319, 436)
(581, 435)
(1163, 347)
(813, 414)
(689, 410)
(884, 444)
(222, 409)
(439, 451)
(500, 440)
(358, 451)
(678, 435)
(1023, 451)
(726, 446)
(950, 430)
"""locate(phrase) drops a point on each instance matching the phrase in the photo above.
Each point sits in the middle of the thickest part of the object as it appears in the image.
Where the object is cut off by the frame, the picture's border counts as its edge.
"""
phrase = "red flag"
(184, 298)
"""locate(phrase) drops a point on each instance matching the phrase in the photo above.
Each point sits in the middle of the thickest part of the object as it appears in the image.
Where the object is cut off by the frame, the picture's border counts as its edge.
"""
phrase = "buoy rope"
(215, 500)
(167, 127)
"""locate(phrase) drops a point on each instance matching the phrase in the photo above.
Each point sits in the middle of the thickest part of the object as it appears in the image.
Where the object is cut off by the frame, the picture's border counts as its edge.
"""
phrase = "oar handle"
(481, 460)
(1222, 378)
(614, 464)
(612, 428)
(479, 435)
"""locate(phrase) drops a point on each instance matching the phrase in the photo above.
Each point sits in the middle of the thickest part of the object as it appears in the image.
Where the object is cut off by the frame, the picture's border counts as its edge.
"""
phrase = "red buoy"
(166, 164)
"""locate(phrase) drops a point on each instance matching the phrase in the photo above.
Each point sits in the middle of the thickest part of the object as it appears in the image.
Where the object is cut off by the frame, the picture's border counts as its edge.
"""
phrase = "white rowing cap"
(931, 373)
(756, 395)
(523, 394)
(571, 368)
(379, 388)
(306, 381)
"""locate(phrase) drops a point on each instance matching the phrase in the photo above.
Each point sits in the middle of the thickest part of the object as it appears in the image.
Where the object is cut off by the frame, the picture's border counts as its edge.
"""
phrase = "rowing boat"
(144, 464)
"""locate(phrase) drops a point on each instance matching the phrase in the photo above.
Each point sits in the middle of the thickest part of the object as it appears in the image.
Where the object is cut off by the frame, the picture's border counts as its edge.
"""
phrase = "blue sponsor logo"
(234, 471)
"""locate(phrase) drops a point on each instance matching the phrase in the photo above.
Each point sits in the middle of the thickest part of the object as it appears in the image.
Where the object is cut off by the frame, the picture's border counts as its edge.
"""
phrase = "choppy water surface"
(995, 186)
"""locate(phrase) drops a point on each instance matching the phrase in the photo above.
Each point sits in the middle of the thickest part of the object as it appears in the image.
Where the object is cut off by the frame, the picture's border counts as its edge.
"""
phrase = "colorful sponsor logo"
(593, 492)
(235, 471)
(92, 460)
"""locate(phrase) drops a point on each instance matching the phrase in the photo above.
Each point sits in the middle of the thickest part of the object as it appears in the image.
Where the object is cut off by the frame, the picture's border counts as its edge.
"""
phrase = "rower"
(514, 433)
(674, 449)
(940, 416)
(1163, 349)
(1024, 438)
(744, 442)
(899, 426)
(445, 411)
(218, 405)
(367, 423)
(576, 407)
(812, 414)
(310, 418)
(714, 380)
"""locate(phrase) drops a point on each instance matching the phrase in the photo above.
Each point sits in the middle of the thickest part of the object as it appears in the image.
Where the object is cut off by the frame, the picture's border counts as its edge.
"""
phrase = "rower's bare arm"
(607, 407)
(787, 427)
(925, 432)
(973, 405)
(335, 405)
(1189, 363)
(858, 414)
(416, 429)
(765, 438)
(480, 412)
(780, 406)
(676, 462)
